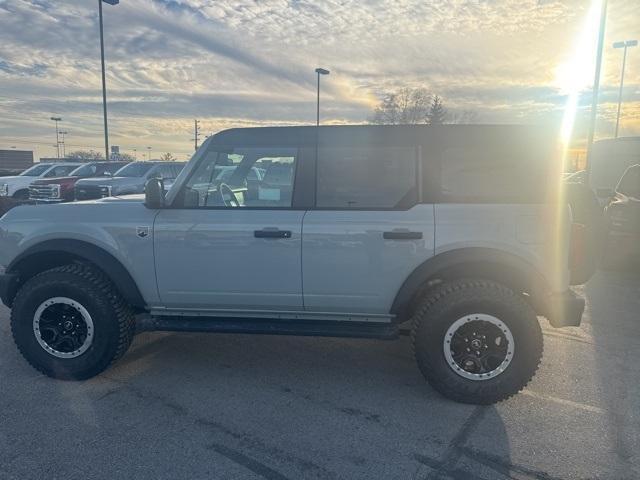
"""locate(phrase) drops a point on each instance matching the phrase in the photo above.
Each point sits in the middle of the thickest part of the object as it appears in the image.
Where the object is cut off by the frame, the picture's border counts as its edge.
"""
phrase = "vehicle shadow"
(238, 406)
(365, 409)
(613, 306)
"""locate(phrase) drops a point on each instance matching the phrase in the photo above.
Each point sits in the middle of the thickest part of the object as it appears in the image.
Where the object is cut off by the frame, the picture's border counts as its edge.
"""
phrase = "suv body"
(128, 180)
(60, 189)
(18, 186)
(350, 231)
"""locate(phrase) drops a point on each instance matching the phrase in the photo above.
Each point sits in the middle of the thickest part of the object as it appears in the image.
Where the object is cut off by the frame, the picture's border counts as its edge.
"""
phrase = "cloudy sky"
(251, 62)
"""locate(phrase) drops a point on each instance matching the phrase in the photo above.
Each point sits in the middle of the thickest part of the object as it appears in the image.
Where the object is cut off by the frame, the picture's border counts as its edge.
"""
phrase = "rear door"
(233, 244)
(368, 230)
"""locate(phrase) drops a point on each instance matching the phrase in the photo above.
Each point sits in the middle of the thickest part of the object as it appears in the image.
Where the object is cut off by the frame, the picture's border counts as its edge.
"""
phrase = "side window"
(165, 172)
(104, 168)
(61, 170)
(630, 182)
(367, 178)
(175, 170)
(242, 177)
(95, 170)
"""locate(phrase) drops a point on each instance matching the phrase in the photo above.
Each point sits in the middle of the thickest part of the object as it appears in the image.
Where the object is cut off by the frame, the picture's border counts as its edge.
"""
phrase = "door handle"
(265, 233)
(402, 235)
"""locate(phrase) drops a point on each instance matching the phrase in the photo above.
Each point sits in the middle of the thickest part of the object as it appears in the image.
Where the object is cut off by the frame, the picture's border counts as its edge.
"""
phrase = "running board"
(167, 323)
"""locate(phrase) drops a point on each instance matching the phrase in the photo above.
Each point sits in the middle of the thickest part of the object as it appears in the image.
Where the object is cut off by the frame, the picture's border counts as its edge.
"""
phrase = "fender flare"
(43, 255)
(488, 263)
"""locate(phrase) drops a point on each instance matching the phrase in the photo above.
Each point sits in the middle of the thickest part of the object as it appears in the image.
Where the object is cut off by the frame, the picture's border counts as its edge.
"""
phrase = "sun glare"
(575, 75)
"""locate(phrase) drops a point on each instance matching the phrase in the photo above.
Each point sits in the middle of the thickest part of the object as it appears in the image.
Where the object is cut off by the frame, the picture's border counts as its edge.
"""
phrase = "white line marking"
(562, 401)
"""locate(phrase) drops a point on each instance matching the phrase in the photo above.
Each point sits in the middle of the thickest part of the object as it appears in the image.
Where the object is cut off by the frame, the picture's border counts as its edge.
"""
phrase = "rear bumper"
(565, 309)
(8, 284)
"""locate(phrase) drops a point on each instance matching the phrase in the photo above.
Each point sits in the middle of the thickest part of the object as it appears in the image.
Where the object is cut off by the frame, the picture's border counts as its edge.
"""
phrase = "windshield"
(84, 171)
(36, 170)
(137, 169)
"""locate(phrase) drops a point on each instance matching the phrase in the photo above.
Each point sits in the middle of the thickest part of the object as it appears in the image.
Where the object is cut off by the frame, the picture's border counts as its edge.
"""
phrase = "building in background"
(15, 161)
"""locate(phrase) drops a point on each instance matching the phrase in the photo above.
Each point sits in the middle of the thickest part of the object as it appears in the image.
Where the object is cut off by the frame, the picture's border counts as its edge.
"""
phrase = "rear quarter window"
(368, 177)
(494, 175)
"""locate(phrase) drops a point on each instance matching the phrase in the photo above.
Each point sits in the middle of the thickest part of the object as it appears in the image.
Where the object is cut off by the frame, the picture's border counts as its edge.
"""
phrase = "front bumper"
(8, 287)
(565, 309)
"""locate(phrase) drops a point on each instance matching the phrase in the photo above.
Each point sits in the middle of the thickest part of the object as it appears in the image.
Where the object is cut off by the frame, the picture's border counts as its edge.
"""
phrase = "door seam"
(304, 307)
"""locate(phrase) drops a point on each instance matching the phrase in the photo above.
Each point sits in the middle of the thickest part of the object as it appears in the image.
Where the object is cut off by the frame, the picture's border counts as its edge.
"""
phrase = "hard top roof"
(374, 134)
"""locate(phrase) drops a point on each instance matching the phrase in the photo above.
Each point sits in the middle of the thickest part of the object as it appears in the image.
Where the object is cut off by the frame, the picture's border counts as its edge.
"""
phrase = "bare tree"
(122, 157)
(415, 106)
(167, 157)
(406, 106)
(85, 156)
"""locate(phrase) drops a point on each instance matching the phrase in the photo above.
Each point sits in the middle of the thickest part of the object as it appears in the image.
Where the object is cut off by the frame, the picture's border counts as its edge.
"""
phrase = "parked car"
(352, 231)
(623, 219)
(18, 186)
(609, 160)
(61, 189)
(128, 180)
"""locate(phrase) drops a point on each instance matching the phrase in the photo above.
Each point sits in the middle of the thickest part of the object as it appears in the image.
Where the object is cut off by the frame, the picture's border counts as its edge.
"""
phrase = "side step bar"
(166, 323)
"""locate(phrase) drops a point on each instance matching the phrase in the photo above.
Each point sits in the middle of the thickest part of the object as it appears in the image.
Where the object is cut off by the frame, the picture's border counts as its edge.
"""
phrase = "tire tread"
(106, 290)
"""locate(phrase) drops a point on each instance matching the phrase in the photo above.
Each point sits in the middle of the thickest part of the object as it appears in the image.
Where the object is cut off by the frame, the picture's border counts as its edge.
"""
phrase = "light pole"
(149, 148)
(57, 119)
(319, 71)
(64, 152)
(104, 86)
(596, 84)
(626, 44)
(135, 153)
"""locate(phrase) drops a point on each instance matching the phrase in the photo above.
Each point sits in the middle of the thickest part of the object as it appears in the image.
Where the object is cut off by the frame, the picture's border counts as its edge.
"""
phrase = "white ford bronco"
(457, 233)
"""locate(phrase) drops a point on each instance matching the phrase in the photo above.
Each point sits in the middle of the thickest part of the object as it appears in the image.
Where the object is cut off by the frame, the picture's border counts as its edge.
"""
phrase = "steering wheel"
(223, 189)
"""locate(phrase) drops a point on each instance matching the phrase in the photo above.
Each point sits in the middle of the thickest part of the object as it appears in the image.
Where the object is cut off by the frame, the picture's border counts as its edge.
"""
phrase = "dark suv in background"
(61, 189)
(128, 180)
(623, 220)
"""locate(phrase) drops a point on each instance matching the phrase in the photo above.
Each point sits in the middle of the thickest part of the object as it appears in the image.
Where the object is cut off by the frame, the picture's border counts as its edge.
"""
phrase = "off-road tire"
(112, 318)
(454, 300)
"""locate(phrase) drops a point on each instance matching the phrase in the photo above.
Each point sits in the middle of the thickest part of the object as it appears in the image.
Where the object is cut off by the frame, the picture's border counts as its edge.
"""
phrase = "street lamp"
(319, 71)
(64, 152)
(104, 87)
(57, 119)
(596, 83)
(149, 148)
(626, 44)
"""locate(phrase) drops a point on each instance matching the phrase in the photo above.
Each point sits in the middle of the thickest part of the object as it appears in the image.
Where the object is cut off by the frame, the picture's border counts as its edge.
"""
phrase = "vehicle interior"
(243, 178)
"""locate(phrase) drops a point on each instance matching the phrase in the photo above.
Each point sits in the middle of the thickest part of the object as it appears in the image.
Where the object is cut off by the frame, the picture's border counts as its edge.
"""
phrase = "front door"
(231, 240)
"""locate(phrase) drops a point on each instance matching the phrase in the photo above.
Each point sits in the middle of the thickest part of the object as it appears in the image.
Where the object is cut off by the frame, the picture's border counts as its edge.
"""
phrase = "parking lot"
(265, 407)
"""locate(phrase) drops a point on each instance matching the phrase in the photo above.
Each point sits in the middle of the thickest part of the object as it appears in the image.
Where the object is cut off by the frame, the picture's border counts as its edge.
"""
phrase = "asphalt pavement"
(213, 406)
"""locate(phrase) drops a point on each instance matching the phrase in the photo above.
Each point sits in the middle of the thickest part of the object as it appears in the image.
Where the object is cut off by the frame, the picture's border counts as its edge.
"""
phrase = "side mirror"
(154, 194)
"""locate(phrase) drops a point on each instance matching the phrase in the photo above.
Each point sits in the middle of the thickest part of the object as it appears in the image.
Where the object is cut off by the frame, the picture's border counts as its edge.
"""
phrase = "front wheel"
(70, 322)
(476, 341)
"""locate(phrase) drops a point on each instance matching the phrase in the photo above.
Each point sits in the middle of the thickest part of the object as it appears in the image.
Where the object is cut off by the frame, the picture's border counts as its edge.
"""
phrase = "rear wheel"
(70, 322)
(476, 341)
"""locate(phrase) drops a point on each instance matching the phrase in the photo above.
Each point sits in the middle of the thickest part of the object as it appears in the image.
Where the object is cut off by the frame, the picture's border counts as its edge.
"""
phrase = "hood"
(134, 198)
(13, 178)
(110, 181)
(55, 180)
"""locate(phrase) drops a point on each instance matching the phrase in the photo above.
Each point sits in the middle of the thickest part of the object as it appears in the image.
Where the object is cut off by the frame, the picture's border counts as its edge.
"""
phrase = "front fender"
(104, 233)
